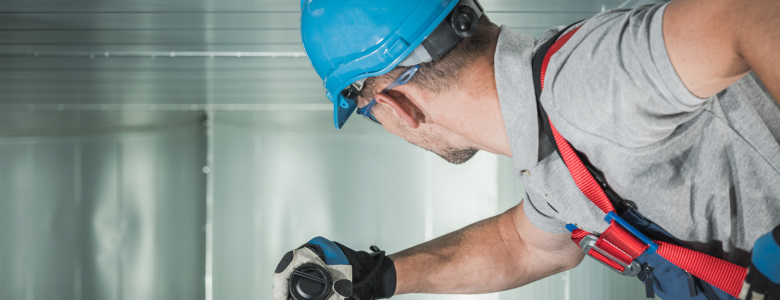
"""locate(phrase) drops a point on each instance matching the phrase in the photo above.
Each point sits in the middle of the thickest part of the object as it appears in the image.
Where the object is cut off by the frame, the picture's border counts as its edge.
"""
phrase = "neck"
(474, 110)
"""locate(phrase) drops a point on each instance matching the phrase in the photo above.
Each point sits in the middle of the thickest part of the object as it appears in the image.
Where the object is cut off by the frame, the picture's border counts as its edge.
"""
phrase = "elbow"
(572, 261)
(569, 259)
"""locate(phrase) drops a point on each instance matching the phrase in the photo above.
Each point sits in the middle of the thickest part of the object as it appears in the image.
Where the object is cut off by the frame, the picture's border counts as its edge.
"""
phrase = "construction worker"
(666, 109)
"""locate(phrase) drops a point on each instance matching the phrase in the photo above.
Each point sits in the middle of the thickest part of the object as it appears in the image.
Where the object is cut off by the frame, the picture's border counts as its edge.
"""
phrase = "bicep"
(701, 40)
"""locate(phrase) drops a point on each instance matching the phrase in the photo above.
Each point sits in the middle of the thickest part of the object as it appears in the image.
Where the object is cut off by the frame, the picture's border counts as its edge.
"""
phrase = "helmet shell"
(347, 40)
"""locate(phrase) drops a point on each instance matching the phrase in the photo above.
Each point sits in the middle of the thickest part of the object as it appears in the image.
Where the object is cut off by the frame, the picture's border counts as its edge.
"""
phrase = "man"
(673, 102)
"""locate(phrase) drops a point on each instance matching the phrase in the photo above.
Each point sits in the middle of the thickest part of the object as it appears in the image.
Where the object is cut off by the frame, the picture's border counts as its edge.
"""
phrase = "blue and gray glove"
(325, 270)
(763, 279)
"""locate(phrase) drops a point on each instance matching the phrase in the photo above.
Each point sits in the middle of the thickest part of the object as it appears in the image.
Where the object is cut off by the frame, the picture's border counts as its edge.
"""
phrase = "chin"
(457, 156)
(452, 155)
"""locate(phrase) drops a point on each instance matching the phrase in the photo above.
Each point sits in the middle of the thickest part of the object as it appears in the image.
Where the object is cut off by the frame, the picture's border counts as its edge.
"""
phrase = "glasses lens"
(366, 113)
(373, 119)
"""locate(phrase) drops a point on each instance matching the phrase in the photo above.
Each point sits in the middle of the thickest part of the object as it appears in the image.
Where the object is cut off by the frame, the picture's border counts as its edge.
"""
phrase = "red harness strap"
(620, 243)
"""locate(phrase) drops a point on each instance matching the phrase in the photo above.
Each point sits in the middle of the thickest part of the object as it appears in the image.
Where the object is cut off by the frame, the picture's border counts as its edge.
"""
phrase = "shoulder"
(613, 79)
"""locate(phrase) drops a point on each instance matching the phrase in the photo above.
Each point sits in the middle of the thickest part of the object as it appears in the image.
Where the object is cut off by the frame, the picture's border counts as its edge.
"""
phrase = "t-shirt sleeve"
(614, 79)
(544, 222)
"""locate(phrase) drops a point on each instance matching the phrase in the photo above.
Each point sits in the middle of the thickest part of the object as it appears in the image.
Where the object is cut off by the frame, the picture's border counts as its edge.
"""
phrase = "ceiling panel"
(275, 5)
(141, 6)
(98, 49)
(150, 20)
(248, 37)
(164, 62)
(140, 52)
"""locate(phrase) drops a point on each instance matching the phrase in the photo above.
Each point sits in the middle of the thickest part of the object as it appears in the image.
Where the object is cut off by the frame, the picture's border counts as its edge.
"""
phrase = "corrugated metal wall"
(113, 188)
(110, 215)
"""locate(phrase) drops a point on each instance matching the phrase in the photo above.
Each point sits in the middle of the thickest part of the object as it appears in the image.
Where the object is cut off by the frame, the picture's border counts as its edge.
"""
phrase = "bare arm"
(713, 43)
(500, 253)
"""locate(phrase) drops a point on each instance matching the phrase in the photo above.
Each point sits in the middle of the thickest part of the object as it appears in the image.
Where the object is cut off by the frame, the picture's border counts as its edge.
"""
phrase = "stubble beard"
(457, 156)
(437, 145)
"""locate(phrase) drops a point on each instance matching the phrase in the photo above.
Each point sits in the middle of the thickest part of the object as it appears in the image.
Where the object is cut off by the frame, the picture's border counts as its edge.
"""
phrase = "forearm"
(488, 256)
(459, 262)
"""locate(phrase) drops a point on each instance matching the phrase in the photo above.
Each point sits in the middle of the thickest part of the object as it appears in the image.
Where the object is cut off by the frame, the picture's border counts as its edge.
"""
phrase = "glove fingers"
(285, 269)
(285, 262)
(314, 248)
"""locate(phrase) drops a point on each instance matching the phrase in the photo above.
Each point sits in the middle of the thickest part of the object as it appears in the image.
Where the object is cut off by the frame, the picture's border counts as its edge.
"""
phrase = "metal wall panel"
(103, 216)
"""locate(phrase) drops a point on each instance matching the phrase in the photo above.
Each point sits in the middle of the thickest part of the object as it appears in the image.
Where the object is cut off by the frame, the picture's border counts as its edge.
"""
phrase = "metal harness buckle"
(634, 268)
(589, 242)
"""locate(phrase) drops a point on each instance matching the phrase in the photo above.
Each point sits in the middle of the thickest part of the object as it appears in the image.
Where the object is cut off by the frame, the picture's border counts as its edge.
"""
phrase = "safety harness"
(633, 245)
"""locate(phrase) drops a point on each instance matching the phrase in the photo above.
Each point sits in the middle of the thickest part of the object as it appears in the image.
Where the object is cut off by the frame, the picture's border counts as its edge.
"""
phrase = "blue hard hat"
(349, 40)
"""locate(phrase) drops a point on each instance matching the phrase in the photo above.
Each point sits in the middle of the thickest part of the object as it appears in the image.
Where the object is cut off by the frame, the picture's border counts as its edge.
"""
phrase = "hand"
(763, 278)
(353, 275)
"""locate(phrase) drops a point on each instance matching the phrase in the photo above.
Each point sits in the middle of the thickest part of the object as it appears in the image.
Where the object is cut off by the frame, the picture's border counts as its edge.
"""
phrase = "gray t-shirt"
(704, 169)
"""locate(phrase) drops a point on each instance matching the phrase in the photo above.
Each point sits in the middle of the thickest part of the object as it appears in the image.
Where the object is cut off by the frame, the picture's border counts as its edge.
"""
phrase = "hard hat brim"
(342, 109)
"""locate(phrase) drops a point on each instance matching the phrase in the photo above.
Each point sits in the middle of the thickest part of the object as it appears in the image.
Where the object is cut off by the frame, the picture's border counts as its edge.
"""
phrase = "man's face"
(436, 139)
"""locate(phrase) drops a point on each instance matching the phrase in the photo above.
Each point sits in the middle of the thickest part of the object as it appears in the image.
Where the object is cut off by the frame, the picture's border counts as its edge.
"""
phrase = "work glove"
(353, 275)
(763, 279)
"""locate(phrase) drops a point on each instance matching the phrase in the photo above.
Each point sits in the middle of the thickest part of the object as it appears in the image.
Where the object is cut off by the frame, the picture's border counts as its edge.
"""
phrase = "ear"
(401, 105)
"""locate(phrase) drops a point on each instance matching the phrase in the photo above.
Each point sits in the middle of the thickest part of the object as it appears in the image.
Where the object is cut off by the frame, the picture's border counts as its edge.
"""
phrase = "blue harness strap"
(668, 281)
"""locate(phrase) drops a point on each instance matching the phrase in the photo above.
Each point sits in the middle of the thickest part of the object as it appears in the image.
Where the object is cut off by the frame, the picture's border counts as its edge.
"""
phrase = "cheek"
(425, 136)
(392, 125)
(422, 137)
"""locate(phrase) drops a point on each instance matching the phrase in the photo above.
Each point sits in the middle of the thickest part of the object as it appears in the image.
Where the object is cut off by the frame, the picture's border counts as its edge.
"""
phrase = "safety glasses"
(365, 111)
